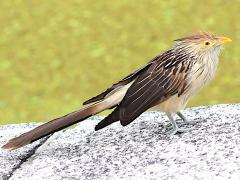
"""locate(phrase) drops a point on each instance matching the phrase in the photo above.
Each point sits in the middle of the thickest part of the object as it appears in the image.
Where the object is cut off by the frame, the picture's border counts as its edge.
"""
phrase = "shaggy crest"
(202, 35)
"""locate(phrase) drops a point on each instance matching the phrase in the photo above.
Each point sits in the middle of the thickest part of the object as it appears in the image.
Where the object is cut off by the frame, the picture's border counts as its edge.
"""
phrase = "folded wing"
(164, 78)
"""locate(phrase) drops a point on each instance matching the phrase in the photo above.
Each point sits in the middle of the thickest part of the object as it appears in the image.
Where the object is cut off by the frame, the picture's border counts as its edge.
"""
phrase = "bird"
(166, 83)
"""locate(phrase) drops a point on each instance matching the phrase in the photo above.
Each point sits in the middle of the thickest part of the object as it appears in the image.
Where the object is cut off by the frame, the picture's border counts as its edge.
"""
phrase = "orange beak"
(224, 40)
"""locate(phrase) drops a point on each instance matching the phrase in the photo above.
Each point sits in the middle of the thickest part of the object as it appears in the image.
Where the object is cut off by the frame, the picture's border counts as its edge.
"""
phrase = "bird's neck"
(206, 60)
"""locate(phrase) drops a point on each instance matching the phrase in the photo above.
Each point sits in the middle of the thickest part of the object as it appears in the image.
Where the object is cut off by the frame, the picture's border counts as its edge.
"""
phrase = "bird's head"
(202, 43)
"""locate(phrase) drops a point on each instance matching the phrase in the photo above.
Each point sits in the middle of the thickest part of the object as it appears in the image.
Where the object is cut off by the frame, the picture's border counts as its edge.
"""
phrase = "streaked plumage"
(166, 83)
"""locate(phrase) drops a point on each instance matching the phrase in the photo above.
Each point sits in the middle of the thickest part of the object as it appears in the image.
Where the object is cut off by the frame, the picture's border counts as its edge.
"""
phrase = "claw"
(185, 120)
(177, 130)
(191, 122)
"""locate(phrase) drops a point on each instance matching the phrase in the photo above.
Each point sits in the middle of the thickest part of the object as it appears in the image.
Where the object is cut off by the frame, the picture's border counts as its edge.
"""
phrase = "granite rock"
(10, 161)
(140, 150)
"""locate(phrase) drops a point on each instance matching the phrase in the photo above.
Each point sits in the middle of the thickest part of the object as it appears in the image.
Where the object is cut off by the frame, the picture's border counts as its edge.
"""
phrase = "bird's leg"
(184, 118)
(175, 128)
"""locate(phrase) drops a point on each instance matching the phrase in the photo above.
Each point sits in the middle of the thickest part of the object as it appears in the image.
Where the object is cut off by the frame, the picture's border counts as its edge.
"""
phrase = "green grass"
(56, 54)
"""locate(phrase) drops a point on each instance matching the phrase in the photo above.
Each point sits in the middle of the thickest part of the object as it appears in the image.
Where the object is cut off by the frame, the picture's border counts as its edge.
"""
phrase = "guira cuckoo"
(166, 83)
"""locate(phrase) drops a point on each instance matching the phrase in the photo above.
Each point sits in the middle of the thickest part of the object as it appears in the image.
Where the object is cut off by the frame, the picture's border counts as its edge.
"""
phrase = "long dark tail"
(57, 124)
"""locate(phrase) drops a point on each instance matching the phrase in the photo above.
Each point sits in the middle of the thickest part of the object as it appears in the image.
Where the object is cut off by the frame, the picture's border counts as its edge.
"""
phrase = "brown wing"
(163, 78)
(123, 82)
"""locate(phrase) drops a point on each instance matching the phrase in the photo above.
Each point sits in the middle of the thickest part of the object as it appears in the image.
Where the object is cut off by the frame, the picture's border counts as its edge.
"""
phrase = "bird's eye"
(207, 43)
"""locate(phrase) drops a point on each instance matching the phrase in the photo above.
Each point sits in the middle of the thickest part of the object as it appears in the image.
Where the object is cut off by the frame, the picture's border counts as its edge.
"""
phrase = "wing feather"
(162, 79)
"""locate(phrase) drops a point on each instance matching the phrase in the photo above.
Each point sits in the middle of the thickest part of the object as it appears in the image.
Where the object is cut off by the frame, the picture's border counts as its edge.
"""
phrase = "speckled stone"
(141, 150)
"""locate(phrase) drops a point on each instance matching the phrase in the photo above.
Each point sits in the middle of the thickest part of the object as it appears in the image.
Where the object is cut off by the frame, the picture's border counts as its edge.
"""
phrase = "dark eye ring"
(207, 43)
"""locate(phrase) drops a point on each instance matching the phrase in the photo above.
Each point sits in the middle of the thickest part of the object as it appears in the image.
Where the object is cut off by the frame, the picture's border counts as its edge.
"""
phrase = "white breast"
(201, 73)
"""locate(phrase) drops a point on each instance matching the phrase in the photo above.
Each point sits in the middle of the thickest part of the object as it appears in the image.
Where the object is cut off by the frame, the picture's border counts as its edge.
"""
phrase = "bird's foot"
(175, 127)
(193, 122)
(177, 130)
(185, 120)
(190, 122)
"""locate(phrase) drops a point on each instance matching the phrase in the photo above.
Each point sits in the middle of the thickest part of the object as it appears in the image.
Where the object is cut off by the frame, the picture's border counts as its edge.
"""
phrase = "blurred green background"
(56, 54)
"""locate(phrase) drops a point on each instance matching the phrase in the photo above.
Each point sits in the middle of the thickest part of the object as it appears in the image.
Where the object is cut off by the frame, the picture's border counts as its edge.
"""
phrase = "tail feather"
(56, 125)
(111, 100)
(111, 118)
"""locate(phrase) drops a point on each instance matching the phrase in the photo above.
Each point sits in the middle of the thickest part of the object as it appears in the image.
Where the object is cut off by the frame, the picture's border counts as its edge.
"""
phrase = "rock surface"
(141, 150)
(9, 162)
